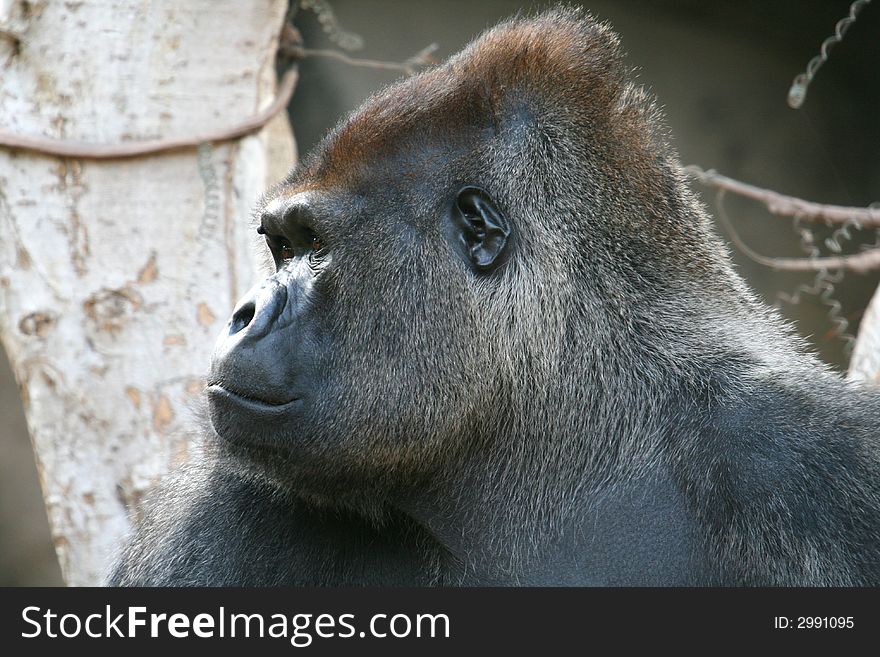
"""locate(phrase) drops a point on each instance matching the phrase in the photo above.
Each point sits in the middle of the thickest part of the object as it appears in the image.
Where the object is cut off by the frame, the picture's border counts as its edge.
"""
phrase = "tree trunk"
(116, 276)
(865, 362)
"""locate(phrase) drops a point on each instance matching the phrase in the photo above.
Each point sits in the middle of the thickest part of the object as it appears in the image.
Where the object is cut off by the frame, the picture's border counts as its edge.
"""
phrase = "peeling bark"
(115, 276)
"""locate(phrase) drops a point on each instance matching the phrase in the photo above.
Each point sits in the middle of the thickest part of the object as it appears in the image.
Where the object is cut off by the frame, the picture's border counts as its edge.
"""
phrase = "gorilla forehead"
(513, 74)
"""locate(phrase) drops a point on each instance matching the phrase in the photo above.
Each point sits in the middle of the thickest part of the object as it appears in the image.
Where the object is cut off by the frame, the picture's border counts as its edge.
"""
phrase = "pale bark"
(116, 276)
(865, 362)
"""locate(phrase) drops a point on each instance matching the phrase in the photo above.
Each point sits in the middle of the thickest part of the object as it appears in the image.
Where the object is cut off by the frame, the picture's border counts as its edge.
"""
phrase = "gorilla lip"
(248, 402)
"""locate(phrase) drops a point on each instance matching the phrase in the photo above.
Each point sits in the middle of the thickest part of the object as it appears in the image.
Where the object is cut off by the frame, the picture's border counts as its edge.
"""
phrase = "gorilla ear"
(480, 229)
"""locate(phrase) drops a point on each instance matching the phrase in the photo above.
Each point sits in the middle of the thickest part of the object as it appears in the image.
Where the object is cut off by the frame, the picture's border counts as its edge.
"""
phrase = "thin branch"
(90, 151)
(787, 206)
(860, 262)
(421, 58)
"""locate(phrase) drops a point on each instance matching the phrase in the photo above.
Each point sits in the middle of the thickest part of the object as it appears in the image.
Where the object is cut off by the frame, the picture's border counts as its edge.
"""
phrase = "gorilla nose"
(258, 310)
(246, 355)
(242, 317)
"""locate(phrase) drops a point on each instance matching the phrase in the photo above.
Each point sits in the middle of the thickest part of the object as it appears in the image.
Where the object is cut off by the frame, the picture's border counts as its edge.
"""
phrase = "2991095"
(814, 622)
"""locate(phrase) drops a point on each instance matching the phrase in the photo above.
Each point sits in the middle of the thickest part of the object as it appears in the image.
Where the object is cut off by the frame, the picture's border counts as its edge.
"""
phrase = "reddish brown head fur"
(562, 64)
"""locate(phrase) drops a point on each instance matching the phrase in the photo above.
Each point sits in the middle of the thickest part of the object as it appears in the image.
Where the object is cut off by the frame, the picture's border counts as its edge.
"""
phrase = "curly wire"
(798, 91)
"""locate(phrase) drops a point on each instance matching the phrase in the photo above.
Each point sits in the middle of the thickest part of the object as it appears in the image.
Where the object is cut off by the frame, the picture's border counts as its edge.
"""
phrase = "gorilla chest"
(638, 534)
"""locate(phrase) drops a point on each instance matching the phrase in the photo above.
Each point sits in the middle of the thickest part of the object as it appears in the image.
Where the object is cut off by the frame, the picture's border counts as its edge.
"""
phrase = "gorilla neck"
(608, 514)
(492, 531)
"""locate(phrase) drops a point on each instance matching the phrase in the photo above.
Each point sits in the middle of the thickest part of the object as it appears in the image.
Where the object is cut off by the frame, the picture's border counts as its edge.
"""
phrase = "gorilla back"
(502, 345)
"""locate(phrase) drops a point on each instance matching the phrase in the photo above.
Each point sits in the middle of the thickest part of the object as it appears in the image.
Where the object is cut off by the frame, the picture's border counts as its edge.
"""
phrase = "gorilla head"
(445, 255)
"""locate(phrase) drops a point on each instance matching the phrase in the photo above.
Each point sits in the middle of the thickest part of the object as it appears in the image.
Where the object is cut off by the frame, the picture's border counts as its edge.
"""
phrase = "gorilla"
(502, 345)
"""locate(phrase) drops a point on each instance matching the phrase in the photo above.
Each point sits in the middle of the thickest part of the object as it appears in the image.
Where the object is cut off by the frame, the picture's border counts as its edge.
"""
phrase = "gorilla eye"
(303, 242)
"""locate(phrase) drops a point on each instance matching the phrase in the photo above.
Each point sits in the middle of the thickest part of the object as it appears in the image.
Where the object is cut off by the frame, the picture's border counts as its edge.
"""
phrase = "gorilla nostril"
(242, 317)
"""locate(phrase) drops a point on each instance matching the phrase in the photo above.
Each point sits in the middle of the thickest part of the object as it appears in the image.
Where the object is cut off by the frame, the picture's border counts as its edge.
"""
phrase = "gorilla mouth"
(217, 392)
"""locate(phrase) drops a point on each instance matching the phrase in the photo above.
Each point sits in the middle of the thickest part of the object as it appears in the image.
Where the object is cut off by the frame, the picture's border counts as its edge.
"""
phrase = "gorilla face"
(365, 350)
(266, 362)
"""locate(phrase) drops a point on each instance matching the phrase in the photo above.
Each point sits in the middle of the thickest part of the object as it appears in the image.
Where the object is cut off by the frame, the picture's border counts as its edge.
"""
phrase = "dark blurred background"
(721, 69)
